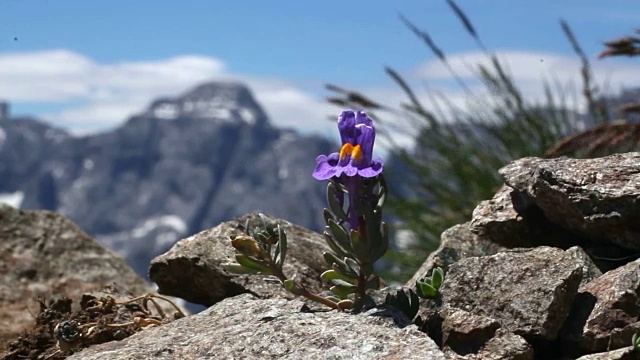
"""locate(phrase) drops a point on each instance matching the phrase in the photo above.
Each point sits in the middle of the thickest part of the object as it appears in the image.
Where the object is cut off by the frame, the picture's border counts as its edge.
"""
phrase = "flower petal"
(350, 170)
(362, 118)
(325, 166)
(373, 170)
(346, 126)
(366, 137)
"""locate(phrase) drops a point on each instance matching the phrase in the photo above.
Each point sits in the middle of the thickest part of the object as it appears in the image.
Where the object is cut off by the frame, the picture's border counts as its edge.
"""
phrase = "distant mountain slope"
(183, 165)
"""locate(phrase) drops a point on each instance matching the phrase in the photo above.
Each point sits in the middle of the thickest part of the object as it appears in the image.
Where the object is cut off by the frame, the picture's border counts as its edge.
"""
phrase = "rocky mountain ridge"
(182, 165)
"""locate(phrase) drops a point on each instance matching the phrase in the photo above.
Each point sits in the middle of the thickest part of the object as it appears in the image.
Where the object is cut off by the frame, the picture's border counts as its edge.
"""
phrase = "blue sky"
(87, 65)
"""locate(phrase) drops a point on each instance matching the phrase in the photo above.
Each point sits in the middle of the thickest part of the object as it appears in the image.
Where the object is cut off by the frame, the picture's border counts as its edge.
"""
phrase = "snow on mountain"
(13, 199)
(222, 102)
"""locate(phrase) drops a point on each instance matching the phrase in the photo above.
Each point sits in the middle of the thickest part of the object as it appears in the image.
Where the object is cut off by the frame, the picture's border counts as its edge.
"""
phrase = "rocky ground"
(547, 269)
(59, 330)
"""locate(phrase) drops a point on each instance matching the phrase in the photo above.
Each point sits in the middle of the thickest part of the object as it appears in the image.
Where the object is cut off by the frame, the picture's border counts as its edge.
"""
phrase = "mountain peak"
(217, 101)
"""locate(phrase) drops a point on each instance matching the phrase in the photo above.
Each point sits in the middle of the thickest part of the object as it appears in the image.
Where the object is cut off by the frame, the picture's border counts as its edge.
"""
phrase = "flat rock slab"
(244, 327)
(597, 198)
(192, 270)
(45, 255)
(627, 353)
(529, 292)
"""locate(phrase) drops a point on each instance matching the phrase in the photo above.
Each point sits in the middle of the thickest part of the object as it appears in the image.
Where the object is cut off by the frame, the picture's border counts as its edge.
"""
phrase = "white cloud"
(105, 95)
(94, 96)
(530, 69)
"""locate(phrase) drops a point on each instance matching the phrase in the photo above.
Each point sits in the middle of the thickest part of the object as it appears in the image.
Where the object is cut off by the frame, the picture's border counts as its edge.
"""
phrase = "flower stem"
(361, 291)
(315, 297)
(302, 291)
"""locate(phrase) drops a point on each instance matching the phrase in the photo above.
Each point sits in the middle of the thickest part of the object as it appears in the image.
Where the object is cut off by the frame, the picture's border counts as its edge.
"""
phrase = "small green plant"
(355, 232)
(408, 304)
(429, 286)
(635, 341)
(262, 251)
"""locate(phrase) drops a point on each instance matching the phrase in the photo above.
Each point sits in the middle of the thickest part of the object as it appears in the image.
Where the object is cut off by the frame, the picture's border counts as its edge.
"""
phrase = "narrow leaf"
(281, 248)
(342, 291)
(352, 264)
(332, 275)
(360, 248)
(252, 264)
(335, 206)
(339, 250)
(340, 235)
(239, 269)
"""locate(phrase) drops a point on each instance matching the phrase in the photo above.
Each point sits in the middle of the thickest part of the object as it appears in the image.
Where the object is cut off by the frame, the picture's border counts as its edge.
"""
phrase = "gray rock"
(597, 198)
(498, 221)
(244, 327)
(606, 312)
(530, 292)
(466, 333)
(191, 269)
(627, 353)
(503, 346)
(510, 219)
(43, 254)
(456, 243)
(589, 269)
(506, 346)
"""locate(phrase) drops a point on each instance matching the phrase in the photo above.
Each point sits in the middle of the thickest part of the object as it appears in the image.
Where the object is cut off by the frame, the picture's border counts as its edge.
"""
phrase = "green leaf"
(291, 286)
(327, 215)
(352, 264)
(281, 248)
(265, 221)
(334, 205)
(402, 300)
(382, 194)
(408, 304)
(360, 248)
(342, 290)
(239, 269)
(415, 302)
(330, 258)
(248, 246)
(345, 270)
(333, 275)
(252, 263)
(340, 235)
(437, 277)
(333, 245)
(426, 290)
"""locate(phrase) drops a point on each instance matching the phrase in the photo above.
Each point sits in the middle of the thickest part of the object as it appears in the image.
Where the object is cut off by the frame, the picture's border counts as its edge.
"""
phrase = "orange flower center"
(349, 150)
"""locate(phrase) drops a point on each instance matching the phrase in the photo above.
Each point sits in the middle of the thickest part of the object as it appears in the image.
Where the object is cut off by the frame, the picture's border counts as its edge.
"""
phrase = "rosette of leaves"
(409, 304)
(428, 287)
(262, 250)
(354, 251)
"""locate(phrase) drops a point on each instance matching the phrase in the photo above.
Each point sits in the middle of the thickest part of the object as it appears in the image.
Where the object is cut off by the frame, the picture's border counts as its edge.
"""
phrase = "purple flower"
(355, 157)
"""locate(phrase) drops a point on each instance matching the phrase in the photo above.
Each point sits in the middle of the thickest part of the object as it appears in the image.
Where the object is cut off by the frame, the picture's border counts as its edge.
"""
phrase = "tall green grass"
(454, 163)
